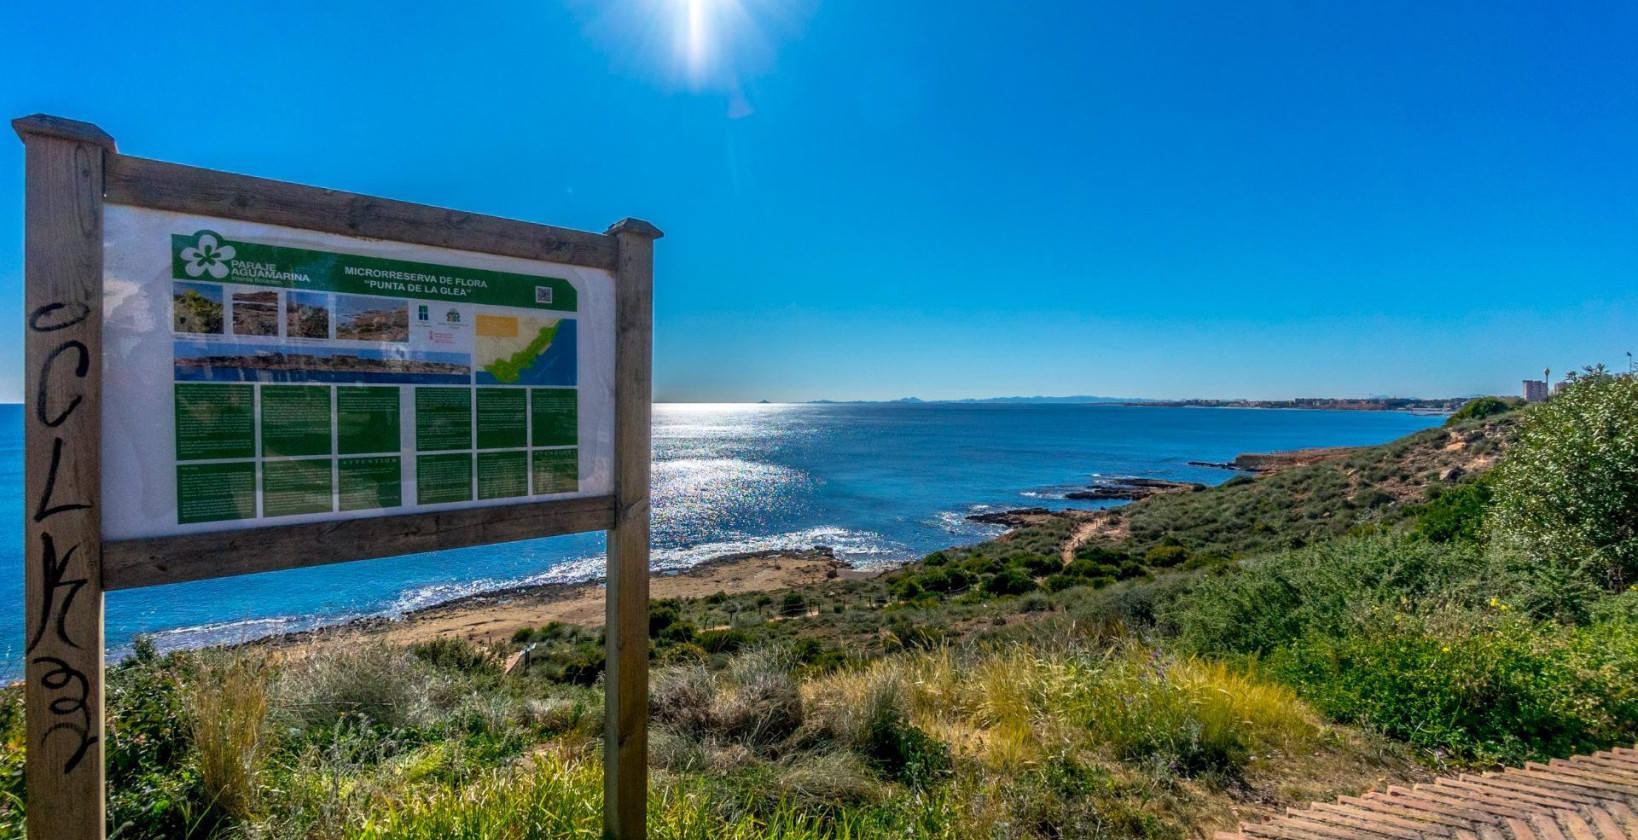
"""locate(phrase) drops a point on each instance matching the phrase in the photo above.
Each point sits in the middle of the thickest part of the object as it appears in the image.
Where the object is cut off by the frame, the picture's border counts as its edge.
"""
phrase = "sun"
(708, 46)
(703, 29)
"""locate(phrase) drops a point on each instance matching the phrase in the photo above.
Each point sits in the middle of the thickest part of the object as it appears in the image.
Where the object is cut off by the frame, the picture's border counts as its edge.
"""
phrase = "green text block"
(295, 420)
(557, 471)
(503, 417)
(557, 417)
(370, 483)
(215, 421)
(503, 475)
(443, 419)
(294, 487)
(215, 492)
(366, 420)
(443, 478)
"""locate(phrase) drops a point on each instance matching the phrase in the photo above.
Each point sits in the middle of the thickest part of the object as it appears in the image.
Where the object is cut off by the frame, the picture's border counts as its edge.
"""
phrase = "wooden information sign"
(228, 375)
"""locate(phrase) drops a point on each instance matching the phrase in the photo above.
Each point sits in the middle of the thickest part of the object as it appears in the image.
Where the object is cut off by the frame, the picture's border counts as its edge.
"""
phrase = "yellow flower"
(1445, 649)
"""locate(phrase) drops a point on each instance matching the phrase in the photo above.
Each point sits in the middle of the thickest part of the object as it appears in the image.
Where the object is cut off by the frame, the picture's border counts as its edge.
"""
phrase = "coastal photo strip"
(216, 361)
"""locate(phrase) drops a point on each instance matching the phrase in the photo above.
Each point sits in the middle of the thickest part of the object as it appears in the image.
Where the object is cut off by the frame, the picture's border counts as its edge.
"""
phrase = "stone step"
(1591, 797)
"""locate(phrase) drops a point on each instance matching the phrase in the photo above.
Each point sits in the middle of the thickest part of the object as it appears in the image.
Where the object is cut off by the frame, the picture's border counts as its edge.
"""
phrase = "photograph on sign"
(261, 375)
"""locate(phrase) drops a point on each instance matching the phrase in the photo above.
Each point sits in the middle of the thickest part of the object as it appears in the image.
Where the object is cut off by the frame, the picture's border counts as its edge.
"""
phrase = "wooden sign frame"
(72, 170)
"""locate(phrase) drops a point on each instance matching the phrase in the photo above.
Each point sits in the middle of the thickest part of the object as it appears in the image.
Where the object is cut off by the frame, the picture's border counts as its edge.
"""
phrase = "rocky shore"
(495, 616)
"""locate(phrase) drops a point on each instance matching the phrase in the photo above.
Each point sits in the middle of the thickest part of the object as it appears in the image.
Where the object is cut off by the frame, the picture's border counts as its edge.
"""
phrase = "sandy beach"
(495, 616)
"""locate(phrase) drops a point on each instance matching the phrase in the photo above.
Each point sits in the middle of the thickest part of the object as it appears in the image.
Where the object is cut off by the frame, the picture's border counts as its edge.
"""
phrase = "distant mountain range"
(1074, 400)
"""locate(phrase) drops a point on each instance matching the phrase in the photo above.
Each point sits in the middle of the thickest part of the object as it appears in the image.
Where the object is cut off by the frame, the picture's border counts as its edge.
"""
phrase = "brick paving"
(1589, 797)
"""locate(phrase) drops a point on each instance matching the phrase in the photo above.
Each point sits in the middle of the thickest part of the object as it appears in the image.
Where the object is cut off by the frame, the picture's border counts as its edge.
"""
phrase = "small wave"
(858, 548)
(956, 522)
(1056, 494)
(233, 632)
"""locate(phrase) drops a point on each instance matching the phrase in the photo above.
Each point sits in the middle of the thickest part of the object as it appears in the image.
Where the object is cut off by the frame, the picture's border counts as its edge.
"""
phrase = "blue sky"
(950, 199)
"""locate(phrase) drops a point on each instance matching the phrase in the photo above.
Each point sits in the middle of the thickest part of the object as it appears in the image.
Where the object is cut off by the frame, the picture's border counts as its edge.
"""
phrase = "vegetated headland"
(1463, 597)
(1437, 405)
(1441, 405)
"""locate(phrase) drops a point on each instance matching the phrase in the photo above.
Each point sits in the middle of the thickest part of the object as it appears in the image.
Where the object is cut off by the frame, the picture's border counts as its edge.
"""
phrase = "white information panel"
(257, 375)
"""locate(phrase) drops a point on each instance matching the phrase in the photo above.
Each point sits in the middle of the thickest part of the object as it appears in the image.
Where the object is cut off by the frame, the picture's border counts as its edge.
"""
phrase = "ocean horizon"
(879, 483)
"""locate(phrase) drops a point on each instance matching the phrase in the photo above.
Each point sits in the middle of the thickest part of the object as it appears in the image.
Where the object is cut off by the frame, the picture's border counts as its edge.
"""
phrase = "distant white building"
(1535, 390)
(1559, 386)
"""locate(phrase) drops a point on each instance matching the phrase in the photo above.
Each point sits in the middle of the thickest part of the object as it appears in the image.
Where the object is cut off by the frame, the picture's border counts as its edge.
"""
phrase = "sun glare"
(703, 32)
(707, 46)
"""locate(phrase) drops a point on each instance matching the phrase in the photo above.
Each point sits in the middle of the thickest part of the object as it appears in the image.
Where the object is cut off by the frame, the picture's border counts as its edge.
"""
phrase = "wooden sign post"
(228, 375)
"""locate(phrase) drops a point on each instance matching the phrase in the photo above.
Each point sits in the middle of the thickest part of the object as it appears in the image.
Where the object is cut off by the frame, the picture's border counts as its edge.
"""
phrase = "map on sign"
(277, 376)
(524, 350)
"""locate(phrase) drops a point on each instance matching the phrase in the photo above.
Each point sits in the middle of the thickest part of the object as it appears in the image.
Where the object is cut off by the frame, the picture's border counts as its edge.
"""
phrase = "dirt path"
(1099, 525)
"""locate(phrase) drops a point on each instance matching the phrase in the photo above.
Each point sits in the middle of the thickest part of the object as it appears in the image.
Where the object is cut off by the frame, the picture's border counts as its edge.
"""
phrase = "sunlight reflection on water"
(877, 483)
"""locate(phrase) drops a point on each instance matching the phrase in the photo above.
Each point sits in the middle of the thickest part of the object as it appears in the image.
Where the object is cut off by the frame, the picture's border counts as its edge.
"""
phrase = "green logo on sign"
(207, 255)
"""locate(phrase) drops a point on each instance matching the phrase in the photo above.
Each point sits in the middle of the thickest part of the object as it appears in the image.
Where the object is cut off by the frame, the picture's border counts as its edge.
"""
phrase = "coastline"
(494, 616)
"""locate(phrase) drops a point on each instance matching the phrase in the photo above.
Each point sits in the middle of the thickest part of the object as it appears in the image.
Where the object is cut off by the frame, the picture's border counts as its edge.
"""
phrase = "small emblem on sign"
(543, 294)
(209, 255)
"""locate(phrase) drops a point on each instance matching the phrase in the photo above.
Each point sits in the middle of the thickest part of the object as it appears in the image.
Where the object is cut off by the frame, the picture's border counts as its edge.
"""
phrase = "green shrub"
(1322, 589)
(661, 615)
(1089, 567)
(723, 641)
(1483, 690)
(1038, 565)
(1101, 555)
(1009, 581)
(1166, 556)
(1455, 514)
(681, 632)
(946, 579)
(1567, 490)
(1207, 560)
(1480, 408)
(152, 790)
(451, 653)
(1058, 583)
(905, 586)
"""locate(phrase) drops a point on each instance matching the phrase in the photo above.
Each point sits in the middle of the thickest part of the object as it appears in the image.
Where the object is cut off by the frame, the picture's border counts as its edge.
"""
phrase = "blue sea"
(879, 483)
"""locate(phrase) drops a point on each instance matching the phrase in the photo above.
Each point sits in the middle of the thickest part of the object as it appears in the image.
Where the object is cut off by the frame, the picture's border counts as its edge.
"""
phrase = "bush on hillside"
(1567, 492)
(1454, 514)
(1009, 581)
(1192, 714)
(1324, 589)
(1486, 689)
(1166, 556)
(1481, 408)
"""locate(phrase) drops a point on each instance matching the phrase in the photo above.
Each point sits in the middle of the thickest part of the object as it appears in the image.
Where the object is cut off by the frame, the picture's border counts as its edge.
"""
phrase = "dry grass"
(228, 712)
